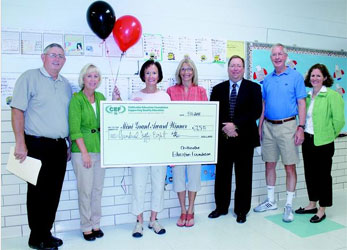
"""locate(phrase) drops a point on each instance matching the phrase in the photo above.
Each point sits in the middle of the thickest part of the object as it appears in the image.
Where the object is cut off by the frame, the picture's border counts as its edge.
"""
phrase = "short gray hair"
(85, 70)
(53, 45)
(280, 45)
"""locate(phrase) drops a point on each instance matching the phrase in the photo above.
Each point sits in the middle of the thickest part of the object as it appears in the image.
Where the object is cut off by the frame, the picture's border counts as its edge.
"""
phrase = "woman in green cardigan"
(84, 122)
(324, 121)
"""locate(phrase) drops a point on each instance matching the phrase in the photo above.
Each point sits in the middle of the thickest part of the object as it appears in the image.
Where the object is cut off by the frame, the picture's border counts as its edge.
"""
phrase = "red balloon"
(127, 31)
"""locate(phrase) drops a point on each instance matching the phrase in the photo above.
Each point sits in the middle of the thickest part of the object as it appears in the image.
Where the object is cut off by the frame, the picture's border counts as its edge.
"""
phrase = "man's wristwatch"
(301, 126)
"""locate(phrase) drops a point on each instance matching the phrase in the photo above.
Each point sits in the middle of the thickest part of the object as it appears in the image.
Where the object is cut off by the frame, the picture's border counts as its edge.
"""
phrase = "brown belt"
(280, 121)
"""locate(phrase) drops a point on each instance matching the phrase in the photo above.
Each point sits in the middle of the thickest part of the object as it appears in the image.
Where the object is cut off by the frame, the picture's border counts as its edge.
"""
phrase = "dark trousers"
(233, 153)
(43, 199)
(317, 164)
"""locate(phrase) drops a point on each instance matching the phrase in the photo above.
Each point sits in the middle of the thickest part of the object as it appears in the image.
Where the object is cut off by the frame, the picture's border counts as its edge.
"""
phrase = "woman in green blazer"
(324, 121)
(84, 122)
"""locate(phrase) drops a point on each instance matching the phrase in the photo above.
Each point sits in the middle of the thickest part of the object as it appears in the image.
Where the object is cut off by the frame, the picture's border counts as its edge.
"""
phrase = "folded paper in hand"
(28, 170)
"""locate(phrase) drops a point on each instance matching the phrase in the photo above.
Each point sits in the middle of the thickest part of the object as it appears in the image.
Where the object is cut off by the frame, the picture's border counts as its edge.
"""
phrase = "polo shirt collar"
(45, 73)
(286, 72)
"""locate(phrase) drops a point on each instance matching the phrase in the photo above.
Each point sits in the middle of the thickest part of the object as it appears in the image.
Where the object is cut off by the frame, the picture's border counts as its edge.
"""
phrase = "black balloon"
(101, 18)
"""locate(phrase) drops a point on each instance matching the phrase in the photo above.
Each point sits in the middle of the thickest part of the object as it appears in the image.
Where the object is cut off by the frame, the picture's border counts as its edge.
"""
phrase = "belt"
(95, 130)
(280, 121)
(46, 138)
(308, 135)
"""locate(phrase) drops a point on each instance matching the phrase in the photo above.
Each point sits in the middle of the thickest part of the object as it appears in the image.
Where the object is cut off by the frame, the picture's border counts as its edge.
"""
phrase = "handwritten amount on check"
(155, 131)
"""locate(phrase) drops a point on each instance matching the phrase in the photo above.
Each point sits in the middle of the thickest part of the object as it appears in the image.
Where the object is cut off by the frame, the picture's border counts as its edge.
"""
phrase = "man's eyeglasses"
(280, 54)
(53, 55)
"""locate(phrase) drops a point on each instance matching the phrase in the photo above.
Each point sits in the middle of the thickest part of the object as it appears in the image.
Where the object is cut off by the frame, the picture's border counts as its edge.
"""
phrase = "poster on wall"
(170, 48)
(108, 83)
(203, 50)
(187, 48)
(152, 47)
(208, 173)
(113, 50)
(31, 43)
(74, 45)
(235, 48)
(49, 38)
(8, 81)
(135, 51)
(219, 50)
(10, 43)
(93, 46)
(300, 59)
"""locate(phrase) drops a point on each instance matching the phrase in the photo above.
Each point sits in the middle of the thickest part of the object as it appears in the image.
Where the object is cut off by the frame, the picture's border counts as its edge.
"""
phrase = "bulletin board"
(300, 59)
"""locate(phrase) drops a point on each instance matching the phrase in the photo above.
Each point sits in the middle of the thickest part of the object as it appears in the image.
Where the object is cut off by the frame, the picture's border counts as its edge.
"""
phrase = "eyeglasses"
(280, 54)
(186, 69)
(53, 55)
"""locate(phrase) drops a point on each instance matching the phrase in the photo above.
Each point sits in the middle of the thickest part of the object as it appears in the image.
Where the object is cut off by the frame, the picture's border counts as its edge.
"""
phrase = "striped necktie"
(232, 101)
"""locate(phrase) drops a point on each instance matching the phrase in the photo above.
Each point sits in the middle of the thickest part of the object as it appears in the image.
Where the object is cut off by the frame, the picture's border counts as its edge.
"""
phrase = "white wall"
(314, 24)
(269, 21)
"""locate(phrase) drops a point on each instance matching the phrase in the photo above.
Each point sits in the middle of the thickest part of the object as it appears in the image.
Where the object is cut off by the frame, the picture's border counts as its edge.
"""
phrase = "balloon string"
(119, 67)
(109, 58)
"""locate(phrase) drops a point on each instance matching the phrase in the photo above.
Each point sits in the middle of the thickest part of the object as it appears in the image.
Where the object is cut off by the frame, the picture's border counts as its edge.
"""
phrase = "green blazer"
(84, 123)
(328, 116)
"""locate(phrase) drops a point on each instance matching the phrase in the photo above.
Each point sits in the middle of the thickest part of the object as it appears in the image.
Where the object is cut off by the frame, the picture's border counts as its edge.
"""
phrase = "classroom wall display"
(31, 43)
(156, 46)
(90, 48)
(301, 59)
(49, 38)
(10, 43)
(74, 45)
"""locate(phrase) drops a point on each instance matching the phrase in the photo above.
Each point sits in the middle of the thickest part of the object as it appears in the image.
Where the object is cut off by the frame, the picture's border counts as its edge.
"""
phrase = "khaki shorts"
(278, 139)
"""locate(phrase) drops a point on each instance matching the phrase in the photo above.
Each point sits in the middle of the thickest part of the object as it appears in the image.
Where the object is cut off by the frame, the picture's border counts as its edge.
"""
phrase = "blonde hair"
(88, 68)
(187, 60)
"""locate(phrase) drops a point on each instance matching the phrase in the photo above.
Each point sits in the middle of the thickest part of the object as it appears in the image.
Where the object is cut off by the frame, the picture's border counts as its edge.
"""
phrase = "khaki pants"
(90, 182)
(140, 176)
(279, 139)
(193, 176)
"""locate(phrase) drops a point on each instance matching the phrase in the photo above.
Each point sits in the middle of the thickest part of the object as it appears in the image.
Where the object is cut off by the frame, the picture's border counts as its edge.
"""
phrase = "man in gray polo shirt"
(40, 123)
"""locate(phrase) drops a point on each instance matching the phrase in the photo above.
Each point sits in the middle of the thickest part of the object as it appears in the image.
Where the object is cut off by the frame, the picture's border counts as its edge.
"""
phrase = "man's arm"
(68, 149)
(261, 120)
(299, 135)
(17, 117)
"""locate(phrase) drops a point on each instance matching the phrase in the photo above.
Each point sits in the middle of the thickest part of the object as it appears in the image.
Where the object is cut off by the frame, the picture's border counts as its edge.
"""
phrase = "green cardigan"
(328, 116)
(82, 121)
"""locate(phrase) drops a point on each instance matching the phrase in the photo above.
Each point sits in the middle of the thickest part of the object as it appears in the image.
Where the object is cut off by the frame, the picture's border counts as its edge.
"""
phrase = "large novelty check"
(149, 134)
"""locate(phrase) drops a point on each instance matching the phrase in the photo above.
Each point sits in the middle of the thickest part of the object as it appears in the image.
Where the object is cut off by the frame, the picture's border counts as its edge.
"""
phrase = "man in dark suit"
(240, 105)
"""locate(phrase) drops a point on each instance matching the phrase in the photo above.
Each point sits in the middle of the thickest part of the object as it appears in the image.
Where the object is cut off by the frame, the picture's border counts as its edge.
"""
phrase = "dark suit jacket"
(247, 110)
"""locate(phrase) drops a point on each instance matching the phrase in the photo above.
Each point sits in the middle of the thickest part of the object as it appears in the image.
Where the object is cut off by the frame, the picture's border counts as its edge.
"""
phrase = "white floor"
(222, 233)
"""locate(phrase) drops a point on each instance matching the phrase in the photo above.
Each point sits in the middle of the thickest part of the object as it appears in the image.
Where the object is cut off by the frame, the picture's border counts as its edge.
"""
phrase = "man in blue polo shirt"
(283, 99)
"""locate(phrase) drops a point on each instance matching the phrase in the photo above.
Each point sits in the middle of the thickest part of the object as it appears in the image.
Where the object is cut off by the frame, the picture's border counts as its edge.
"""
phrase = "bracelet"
(301, 126)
